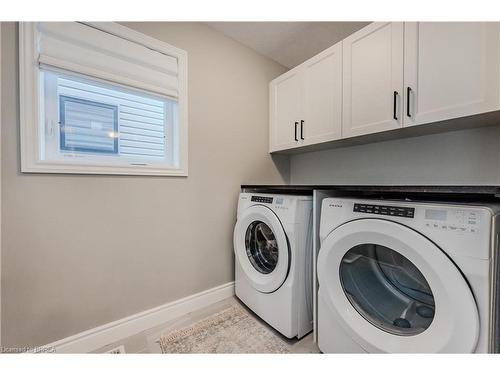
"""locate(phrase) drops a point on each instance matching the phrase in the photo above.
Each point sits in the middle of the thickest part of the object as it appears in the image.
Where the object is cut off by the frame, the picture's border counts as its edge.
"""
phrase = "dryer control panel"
(384, 210)
(458, 229)
(261, 199)
(453, 220)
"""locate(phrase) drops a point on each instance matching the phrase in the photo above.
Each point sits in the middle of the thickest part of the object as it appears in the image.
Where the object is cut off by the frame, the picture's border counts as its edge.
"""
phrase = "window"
(87, 126)
(100, 98)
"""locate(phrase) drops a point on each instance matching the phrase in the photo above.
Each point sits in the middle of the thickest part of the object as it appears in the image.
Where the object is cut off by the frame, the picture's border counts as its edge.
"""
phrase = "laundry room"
(249, 183)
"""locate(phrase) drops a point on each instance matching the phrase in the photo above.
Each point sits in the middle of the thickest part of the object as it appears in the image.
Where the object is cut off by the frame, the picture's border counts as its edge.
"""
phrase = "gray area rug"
(232, 330)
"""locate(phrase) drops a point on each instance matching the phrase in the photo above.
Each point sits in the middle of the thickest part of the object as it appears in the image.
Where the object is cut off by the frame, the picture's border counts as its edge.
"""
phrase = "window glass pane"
(88, 126)
(98, 119)
(387, 289)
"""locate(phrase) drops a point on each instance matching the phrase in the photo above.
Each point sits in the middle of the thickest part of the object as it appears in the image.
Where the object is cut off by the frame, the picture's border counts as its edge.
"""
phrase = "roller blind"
(87, 50)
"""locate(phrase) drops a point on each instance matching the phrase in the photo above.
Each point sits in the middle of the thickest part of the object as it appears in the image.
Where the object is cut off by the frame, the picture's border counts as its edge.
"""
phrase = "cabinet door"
(285, 111)
(323, 97)
(373, 79)
(451, 70)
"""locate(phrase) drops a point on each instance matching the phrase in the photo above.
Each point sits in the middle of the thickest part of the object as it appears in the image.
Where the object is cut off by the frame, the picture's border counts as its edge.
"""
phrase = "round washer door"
(261, 248)
(395, 291)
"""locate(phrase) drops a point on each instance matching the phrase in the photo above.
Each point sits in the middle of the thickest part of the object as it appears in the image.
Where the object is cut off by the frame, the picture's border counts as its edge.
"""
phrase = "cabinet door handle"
(395, 96)
(302, 129)
(296, 124)
(408, 92)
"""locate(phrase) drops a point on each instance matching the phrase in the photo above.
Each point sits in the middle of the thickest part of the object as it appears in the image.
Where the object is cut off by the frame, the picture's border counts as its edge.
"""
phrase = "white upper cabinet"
(323, 96)
(451, 70)
(386, 76)
(285, 111)
(306, 102)
(373, 79)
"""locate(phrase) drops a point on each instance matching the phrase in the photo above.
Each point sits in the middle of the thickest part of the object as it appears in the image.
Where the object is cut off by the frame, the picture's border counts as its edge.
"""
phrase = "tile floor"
(145, 342)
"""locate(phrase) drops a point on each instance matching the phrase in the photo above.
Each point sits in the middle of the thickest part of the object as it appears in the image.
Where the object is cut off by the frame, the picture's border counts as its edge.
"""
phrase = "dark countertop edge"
(465, 190)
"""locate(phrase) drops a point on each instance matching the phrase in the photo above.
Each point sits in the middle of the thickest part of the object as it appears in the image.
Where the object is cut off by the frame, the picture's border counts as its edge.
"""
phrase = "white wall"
(81, 251)
(465, 157)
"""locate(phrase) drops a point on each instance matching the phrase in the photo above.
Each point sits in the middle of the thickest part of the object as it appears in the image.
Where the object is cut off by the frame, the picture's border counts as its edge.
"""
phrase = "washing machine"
(403, 276)
(273, 260)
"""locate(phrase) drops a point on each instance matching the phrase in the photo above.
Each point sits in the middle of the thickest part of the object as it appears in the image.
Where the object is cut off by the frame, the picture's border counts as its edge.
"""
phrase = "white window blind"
(87, 50)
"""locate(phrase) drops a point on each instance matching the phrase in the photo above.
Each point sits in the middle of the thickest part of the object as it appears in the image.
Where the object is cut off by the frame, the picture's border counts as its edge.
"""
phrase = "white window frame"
(30, 126)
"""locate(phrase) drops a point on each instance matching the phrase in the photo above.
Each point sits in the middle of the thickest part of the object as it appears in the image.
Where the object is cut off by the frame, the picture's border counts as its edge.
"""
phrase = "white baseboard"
(98, 337)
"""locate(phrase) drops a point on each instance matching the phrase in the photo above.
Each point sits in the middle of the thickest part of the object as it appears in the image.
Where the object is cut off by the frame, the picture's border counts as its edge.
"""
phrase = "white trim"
(29, 102)
(0, 184)
(98, 337)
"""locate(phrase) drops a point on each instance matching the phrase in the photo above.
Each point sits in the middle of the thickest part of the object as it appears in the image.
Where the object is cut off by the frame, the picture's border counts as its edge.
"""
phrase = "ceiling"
(288, 43)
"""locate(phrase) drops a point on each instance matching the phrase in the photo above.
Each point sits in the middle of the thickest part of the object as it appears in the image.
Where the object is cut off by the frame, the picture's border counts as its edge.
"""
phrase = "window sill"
(104, 170)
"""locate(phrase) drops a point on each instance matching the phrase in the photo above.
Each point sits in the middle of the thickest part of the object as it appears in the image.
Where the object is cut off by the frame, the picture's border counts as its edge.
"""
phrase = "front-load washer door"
(395, 291)
(261, 248)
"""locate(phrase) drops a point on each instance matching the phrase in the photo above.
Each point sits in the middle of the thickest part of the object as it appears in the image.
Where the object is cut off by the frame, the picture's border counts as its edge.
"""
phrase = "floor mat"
(233, 330)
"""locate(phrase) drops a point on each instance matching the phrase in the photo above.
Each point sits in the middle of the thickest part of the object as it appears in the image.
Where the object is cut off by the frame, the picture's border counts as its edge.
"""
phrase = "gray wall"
(81, 251)
(465, 157)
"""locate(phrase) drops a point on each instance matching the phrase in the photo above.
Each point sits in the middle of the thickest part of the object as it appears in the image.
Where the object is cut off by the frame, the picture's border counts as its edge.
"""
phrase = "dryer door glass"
(261, 247)
(387, 289)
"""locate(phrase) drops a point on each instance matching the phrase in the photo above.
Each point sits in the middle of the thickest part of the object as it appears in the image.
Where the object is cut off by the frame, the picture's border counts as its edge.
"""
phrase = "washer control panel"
(460, 221)
(260, 199)
(384, 210)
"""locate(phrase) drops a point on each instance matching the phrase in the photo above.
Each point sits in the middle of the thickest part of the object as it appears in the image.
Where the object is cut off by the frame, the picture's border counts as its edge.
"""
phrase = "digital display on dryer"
(436, 215)
(384, 210)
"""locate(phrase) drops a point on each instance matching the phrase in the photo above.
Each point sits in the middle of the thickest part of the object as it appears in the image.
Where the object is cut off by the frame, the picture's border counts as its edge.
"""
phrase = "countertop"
(461, 192)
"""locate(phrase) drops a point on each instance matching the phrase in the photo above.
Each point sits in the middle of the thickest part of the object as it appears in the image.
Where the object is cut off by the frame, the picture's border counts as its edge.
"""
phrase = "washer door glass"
(387, 289)
(261, 247)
